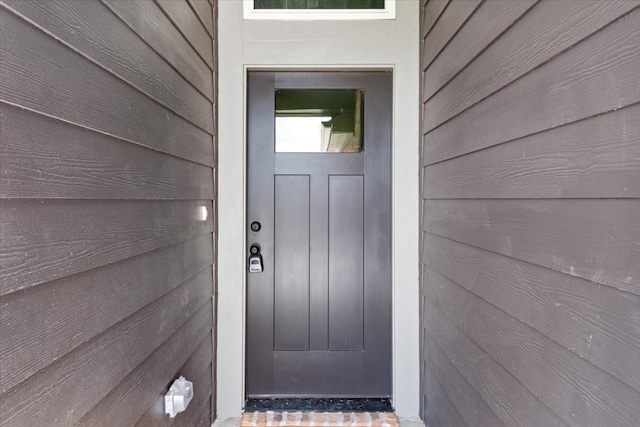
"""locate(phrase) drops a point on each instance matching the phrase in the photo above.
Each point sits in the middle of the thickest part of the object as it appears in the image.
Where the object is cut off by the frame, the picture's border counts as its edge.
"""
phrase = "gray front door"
(319, 312)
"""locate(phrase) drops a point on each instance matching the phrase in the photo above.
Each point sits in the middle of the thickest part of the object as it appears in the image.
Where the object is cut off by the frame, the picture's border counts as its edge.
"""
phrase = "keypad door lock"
(255, 259)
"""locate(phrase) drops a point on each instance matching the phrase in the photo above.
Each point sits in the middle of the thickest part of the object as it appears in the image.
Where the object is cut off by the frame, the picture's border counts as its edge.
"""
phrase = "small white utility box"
(178, 397)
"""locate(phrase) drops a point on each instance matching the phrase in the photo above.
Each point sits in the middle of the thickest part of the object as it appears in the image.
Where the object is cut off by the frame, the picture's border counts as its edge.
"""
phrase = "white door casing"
(316, 45)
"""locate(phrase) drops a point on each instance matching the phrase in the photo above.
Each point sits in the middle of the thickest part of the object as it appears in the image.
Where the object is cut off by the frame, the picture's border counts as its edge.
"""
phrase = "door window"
(319, 121)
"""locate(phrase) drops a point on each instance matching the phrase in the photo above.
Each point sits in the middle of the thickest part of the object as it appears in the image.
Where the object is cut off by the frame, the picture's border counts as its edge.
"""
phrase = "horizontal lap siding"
(107, 133)
(530, 199)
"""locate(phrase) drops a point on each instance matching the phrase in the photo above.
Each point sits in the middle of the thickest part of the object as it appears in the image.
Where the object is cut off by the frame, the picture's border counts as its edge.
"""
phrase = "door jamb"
(247, 69)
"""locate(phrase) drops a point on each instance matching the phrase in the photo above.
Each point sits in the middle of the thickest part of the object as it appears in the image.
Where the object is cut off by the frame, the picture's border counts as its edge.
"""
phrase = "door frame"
(369, 174)
(276, 45)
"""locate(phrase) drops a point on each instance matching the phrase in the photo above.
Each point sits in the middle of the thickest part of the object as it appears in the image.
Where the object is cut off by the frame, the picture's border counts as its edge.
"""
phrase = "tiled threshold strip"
(317, 419)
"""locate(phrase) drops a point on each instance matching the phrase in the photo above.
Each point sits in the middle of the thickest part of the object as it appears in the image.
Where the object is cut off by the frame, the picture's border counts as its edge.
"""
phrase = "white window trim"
(389, 12)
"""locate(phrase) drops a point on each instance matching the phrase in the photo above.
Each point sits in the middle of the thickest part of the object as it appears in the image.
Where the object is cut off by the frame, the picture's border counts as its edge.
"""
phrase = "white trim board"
(316, 45)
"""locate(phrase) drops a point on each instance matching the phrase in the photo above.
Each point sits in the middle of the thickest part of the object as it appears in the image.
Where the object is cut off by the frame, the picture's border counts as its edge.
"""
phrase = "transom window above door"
(319, 9)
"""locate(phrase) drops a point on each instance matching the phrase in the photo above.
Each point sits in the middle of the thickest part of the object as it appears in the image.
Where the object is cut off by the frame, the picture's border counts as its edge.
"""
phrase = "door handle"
(255, 259)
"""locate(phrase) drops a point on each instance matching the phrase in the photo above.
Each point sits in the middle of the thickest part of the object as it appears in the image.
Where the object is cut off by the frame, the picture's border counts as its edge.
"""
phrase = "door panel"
(319, 315)
(292, 262)
(319, 280)
(346, 261)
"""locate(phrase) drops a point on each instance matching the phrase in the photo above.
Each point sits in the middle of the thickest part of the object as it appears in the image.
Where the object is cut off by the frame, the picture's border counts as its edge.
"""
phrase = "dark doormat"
(330, 405)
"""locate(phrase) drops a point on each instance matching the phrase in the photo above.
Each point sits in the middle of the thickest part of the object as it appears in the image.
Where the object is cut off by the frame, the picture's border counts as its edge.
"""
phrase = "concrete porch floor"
(235, 422)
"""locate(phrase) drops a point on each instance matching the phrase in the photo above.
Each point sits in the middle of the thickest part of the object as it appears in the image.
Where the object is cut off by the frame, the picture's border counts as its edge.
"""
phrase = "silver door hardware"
(255, 259)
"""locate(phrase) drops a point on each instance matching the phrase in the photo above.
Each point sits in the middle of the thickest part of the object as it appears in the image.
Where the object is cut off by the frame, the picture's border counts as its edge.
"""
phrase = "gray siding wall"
(108, 154)
(530, 271)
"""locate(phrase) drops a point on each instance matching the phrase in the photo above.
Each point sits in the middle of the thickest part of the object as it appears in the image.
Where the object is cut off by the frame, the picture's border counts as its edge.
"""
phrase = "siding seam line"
(527, 262)
(80, 421)
(512, 198)
(446, 395)
(102, 67)
(492, 358)
(177, 27)
(564, 348)
(110, 135)
(453, 36)
(189, 2)
(593, 116)
(422, 102)
(562, 52)
(158, 53)
(23, 289)
(95, 337)
(424, 38)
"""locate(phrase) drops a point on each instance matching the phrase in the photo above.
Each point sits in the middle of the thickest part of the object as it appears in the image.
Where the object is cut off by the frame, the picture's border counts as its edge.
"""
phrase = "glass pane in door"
(319, 121)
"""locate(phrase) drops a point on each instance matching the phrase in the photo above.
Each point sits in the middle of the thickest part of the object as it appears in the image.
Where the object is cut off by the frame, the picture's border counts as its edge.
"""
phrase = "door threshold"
(317, 419)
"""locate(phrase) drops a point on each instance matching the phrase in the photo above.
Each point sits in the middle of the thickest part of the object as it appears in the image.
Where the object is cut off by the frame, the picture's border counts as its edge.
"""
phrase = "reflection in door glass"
(319, 121)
